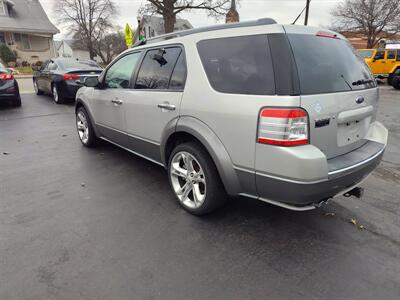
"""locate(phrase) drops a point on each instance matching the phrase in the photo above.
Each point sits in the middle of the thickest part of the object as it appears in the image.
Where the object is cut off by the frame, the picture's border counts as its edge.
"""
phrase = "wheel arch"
(191, 129)
(80, 103)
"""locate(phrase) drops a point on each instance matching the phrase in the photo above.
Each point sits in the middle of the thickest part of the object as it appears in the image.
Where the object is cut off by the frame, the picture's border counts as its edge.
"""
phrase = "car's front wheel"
(396, 82)
(84, 127)
(195, 179)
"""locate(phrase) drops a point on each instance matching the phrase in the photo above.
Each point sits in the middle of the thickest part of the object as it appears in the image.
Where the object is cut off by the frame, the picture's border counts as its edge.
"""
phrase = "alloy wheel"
(55, 94)
(83, 127)
(188, 180)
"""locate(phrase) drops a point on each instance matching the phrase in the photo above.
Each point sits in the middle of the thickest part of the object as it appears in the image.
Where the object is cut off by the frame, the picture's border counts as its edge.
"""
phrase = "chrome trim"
(133, 152)
(128, 134)
(279, 178)
(357, 164)
(280, 204)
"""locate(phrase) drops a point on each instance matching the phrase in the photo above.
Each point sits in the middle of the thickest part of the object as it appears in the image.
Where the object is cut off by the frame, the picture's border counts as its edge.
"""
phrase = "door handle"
(166, 106)
(117, 101)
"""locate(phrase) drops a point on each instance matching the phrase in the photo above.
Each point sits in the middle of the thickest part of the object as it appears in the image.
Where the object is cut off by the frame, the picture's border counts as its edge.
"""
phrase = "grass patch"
(24, 70)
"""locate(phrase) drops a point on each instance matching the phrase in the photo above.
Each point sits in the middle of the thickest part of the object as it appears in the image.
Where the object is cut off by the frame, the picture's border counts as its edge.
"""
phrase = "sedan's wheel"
(85, 130)
(195, 180)
(36, 87)
(56, 95)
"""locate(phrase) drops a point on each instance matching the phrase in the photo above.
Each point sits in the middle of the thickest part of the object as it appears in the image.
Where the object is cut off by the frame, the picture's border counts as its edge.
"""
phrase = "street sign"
(128, 36)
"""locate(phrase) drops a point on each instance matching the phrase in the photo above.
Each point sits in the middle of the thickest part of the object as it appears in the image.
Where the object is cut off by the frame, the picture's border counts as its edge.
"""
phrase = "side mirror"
(91, 81)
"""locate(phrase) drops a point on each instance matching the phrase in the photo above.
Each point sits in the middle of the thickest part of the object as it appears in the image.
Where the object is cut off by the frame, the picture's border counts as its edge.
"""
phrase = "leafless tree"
(169, 9)
(377, 19)
(109, 46)
(86, 19)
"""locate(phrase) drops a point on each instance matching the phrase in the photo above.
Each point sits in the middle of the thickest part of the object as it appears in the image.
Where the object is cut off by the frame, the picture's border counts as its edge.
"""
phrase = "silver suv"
(284, 114)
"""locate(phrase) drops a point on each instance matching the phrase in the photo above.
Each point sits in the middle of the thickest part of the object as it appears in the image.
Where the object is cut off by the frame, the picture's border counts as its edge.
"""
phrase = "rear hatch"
(337, 89)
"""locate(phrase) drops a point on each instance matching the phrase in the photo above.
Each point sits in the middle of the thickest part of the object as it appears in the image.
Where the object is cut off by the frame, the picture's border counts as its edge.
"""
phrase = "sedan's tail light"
(283, 127)
(6, 76)
(71, 77)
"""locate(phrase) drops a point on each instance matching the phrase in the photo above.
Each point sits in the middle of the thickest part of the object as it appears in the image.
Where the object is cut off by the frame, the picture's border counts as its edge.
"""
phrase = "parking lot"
(78, 223)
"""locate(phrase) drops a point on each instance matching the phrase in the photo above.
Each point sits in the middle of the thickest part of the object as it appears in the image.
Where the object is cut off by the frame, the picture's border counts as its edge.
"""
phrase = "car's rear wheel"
(36, 87)
(396, 82)
(84, 127)
(56, 94)
(195, 179)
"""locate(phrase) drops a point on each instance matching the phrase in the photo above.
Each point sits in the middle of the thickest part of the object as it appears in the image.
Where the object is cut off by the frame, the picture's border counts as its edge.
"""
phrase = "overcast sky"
(283, 11)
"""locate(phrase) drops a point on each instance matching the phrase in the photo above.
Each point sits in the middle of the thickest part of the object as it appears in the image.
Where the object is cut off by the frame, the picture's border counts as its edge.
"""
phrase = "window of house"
(2, 8)
(2, 37)
(23, 39)
(156, 69)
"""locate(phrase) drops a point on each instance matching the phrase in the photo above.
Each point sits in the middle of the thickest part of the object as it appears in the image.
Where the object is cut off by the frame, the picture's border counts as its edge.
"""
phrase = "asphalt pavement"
(78, 223)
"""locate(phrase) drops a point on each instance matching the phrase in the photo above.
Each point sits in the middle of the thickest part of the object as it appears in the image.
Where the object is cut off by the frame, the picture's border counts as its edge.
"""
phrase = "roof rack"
(168, 36)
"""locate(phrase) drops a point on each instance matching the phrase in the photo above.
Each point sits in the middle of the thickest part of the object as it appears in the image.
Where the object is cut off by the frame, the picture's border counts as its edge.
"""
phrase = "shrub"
(25, 63)
(6, 54)
(12, 64)
(39, 63)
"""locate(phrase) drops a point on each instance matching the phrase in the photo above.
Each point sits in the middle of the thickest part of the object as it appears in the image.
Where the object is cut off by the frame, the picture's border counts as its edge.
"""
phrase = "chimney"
(232, 16)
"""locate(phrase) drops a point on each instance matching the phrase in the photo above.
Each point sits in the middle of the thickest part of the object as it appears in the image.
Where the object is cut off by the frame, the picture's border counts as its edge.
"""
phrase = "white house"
(26, 29)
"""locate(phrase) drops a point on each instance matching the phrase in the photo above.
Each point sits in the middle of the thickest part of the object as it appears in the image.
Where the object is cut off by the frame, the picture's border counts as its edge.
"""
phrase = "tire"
(17, 101)
(84, 126)
(35, 86)
(390, 79)
(57, 98)
(203, 181)
(396, 82)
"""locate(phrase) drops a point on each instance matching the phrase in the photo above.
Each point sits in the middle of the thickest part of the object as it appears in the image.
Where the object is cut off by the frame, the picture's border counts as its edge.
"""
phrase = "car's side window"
(379, 55)
(398, 55)
(44, 66)
(118, 76)
(391, 55)
(178, 77)
(52, 66)
(156, 69)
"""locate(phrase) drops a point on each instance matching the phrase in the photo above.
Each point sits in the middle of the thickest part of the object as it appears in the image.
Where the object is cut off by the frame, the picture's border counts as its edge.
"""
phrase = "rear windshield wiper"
(362, 81)
(346, 82)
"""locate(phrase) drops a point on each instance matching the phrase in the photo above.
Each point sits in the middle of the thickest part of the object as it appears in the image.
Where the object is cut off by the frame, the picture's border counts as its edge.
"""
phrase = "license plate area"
(351, 132)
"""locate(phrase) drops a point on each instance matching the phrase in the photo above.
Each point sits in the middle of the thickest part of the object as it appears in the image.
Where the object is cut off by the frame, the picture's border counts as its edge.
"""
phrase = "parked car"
(11, 70)
(280, 113)
(63, 77)
(9, 90)
(396, 80)
(383, 62)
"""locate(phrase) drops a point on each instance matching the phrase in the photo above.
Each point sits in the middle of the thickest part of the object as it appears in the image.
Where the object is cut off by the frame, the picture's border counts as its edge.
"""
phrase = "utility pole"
(307, 11)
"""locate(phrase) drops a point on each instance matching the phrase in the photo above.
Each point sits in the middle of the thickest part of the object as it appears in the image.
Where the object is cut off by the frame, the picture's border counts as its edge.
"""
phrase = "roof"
(168, 36)
(157, 23)
(26, 16)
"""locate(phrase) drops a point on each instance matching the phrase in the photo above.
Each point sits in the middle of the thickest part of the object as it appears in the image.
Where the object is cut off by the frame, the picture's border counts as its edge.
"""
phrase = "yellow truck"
(383, 62)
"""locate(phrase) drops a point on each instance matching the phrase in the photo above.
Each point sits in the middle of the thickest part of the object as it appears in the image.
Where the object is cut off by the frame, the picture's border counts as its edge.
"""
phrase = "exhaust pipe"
(357, 192)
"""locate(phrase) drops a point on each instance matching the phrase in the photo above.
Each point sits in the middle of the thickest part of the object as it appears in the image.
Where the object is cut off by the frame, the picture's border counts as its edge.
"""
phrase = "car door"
(40, 76)
(109, 102)
(155, 100)
(48, 75)
(390, 61)
(379, 63)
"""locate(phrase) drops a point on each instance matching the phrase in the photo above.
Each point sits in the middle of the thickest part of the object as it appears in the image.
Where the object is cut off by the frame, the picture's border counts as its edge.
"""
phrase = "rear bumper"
(343, 173)
(68, 89)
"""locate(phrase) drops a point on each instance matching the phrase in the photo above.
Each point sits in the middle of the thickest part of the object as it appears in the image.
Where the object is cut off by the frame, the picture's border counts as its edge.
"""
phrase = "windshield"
(366, 53)
(328, 65)
(78, 64)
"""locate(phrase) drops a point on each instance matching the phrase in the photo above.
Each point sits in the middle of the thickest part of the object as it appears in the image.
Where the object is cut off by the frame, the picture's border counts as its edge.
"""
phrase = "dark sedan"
(9, 90)
(63, 77)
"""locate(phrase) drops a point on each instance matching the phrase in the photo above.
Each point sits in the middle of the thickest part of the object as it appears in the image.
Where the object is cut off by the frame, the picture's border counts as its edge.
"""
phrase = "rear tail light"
(283, 127)
(6, 76)
(71, 77)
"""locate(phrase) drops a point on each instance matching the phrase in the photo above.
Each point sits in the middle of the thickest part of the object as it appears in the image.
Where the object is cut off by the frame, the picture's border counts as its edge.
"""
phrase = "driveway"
(79, 223)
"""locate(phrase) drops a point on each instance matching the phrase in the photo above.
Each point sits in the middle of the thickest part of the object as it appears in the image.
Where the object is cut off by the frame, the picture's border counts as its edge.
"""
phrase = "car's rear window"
(78, 64)
(238, 65)
(366, 53)
(328, 65)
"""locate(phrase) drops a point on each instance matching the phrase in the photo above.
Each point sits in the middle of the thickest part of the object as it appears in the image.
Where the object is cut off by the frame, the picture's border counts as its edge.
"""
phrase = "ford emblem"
(360, 99)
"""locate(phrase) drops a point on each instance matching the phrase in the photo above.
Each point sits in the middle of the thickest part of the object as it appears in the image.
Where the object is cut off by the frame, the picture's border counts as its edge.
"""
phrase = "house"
(69, 48)
(26, 30)
(359, 40)
(152, 26)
